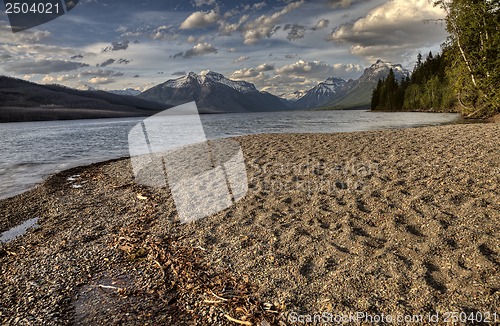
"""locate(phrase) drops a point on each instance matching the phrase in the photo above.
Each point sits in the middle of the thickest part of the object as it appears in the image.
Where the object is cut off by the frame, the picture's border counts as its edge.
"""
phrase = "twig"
(200, 247)
(161, 267)
(213, 301)
(238, 321)
(109, 287)
(215, 295)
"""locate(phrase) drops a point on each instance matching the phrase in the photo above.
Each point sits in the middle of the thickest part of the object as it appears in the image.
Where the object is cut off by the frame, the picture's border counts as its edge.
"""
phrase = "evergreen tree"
(474, 53)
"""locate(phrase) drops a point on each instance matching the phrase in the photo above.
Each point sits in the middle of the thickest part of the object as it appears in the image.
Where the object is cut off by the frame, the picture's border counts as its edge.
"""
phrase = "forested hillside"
(465, 78)
(21, 100)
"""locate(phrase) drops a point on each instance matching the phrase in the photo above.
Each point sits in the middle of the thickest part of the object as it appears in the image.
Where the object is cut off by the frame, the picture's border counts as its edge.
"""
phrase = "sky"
(279, 45)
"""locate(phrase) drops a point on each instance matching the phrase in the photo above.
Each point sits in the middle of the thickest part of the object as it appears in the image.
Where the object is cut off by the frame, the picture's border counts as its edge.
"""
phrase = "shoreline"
(400, 221)
(81, 164)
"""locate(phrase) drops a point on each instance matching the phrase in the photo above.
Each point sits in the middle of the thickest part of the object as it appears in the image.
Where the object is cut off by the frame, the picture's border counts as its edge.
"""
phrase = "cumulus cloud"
(392, 30)
(48, 79)
(265, 67)
(179, 73)
(78, 56)
(266, 25)
(101, 80)
(321, 24)
(123, 61)
(116, 46)
(165, 32)
(200, 19)
(96, 76)
(199, 49)
(253, 74)
(44, 66)
(246, 73)
(226, 28)
(241, 59)
(319, 70)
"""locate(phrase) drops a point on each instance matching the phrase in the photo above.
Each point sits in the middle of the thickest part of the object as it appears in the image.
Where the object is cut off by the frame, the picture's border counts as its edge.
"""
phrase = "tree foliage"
(428, 89)
(474, 53)
(466, 75)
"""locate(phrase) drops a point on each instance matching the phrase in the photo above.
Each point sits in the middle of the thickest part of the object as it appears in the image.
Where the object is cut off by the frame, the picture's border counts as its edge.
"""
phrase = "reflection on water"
(19, 230)
(31, 151)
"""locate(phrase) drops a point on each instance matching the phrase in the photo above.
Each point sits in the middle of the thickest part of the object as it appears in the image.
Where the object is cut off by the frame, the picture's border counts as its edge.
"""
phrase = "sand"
(367, 224)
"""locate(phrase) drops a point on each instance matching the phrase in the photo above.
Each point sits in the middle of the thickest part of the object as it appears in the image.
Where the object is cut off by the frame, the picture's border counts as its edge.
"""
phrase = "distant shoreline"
(62, 114)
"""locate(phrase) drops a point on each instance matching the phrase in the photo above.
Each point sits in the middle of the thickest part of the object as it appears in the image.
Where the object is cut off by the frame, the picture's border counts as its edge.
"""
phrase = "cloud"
(121, 29)
(296, 31)
(344, 3)
(199, 49)
(393, 30)
(96, 76)
(48, 79)
(226, 28)
(123, 61)
(100, 73)
(165, 32)
(266, 25)
(246, 73)
(195, 39)
(259, 5)
(78, 56)
(279, 84)
(200, 3)
(106, 63)
(319, 70)
(179, 73)
(321, 24)
(253, 73)
(241, 59)
(26, 36)
(116, 46)
(265, 67)
(101, 80)
(200, 19)
(44, 66)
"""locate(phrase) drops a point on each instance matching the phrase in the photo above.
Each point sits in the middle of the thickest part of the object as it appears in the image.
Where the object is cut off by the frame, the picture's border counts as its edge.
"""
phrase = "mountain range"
(25, 101)
(215, 93)
(336, 93)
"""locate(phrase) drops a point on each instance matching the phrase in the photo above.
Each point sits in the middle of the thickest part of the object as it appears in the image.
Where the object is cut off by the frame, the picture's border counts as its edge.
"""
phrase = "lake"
(31, 151)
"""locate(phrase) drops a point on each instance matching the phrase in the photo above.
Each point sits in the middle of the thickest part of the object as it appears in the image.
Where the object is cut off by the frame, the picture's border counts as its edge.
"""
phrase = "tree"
(474, 53)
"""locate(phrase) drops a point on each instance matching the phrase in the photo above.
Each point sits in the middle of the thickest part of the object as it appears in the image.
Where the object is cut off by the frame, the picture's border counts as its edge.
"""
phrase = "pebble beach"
(399, 222)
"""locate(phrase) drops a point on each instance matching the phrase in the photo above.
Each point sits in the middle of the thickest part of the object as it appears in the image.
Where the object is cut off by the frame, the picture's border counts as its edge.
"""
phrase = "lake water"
(31, 151)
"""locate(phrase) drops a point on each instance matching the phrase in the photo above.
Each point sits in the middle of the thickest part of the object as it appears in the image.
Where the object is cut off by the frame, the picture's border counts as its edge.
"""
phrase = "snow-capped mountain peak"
(127, 91)
(209, 78)
(322, 93)
(213, 93)
(380, 69)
